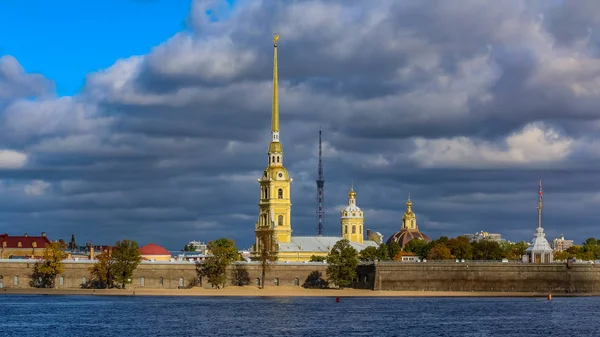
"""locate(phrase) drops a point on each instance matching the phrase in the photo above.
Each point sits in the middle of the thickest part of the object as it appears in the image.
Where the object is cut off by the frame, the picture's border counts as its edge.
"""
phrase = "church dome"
(351, 211)
(153, 249)
(404, 236)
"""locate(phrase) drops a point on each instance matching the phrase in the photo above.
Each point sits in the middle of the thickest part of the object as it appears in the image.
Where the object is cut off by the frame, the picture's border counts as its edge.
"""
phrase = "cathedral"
(275, 204)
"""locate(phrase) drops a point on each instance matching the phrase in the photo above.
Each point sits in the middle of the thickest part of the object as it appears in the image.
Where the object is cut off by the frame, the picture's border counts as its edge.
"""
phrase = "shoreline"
(282, 291)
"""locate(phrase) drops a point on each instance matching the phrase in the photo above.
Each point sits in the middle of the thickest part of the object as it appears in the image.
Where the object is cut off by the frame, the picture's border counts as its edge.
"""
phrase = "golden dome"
(352, 194)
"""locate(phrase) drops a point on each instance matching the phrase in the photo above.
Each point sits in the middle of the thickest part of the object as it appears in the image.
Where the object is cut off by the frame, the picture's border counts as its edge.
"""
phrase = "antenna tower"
(320, 195)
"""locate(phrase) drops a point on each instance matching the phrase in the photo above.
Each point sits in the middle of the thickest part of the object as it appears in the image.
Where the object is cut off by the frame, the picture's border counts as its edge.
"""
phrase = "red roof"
(153, 249)
(26, 241)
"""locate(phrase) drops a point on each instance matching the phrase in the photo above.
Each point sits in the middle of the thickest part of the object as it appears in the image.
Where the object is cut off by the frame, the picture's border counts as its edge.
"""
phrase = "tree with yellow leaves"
(45, 270)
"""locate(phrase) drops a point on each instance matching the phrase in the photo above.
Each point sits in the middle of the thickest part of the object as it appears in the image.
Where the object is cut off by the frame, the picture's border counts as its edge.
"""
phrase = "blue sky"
(65, 39)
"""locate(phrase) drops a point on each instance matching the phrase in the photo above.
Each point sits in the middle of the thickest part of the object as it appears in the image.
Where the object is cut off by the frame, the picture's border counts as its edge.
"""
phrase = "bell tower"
(275, 205)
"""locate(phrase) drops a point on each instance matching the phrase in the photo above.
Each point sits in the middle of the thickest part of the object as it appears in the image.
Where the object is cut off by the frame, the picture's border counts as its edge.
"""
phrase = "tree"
(393, 248)
(102, 271)
(514, 251)
(368, 254)
(342, 262)
(591, 246)
(222, 253)
(51, 264)
(460, 247)
(417, 246)
(315, 280)
(266, 250)
(439, 252)
(72, 244)
(400, 254)
(382, 252)
(189, 248)
(315, 258)
(126, 257)
(240, 275)
(487, 250)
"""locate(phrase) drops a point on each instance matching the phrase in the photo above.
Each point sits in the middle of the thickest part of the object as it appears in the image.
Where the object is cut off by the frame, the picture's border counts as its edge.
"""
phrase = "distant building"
(484, 236)
(199, 246)
(24, 246)
(409, 229)
(560, 244)
(154, 252)
(539, 250)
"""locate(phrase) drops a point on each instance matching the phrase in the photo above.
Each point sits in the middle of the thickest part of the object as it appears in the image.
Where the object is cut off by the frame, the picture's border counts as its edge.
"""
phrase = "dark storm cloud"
(464, 106)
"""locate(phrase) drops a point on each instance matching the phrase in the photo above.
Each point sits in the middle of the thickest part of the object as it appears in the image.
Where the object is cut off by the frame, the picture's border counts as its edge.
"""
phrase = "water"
(244, 316)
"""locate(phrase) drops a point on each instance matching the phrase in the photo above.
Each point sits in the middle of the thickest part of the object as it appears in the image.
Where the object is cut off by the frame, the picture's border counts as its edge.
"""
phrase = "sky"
(150, 120)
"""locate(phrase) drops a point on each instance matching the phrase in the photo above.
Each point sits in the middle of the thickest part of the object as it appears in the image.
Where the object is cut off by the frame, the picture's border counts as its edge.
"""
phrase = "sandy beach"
(281, 291)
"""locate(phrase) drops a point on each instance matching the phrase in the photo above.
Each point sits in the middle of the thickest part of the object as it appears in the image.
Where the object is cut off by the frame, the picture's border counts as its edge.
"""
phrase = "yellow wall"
(298, 256)
(6, 252)
(347, 229)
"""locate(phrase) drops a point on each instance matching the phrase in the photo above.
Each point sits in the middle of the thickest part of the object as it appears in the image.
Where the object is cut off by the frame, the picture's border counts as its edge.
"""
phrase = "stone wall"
(429, 276)
(473, 276)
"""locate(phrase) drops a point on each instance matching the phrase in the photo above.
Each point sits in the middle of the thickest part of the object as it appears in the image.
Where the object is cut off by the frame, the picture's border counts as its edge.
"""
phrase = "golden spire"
(275, 113)
(352, 194)
(408, 204)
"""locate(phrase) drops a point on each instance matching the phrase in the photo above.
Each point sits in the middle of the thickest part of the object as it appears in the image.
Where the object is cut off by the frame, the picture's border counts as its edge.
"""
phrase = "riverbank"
(283, 291)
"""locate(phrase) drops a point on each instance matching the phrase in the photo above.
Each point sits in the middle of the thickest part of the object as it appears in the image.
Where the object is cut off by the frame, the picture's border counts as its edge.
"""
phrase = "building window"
(257, 282)
(296, 281)
(181, 281)
(16, 280)
(161, 281)
(412, 223)
(278, 159)
(61, 281)
(276, 281)
(280, 220)
(280, 194)
(142, 281)
(353, 229)
(345, 213)
(83, 281)
(346, 229)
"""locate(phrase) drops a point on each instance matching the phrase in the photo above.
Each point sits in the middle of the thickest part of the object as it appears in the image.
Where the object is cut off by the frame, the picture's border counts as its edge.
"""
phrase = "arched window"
(161, 281)
(142, 281)
(276, 281)
(16, 280)
(266, 193)
(181, 281)
(296, 281)
(278, 159)
(83, 280)
(412, 223)
(273, 159)
(346, 229)
(257, 282)
(353, 229)
(280, 220)
(61, 281)
(280, 194)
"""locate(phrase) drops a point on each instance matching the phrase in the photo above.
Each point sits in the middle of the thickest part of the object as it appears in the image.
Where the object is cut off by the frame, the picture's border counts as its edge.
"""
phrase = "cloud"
(36, 188)
(532, 145)
(465, 112)
(10, 159)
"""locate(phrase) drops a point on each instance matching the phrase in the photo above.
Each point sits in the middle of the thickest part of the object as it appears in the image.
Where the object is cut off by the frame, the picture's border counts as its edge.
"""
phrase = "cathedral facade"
(275, 203)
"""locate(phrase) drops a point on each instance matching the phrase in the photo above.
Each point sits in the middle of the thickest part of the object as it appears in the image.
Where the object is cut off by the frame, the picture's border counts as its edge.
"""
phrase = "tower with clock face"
(275, 206)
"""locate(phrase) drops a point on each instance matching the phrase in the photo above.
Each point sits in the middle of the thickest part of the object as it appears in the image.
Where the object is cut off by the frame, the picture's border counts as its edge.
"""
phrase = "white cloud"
(10, 159)
(534, 144)
(36, 188)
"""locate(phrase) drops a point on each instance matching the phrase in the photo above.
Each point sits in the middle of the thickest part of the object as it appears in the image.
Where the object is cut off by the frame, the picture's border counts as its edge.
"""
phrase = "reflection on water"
(245, 316)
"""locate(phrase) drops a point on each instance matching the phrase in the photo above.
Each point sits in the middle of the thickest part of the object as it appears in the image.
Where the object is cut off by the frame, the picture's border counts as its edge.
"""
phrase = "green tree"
(439, 252)
(266, 252)
(126, 257)
(368, 254)
(460, 247)
(591, 247)
(393, 248)
(487, 250)
(222, 253)
(417, 246)
(382, 252)
(514, 251)
(342, 262)
(315, 258)
(240, 275)
(102, 272)
(51, 264)
(315, 280)
(189, 248)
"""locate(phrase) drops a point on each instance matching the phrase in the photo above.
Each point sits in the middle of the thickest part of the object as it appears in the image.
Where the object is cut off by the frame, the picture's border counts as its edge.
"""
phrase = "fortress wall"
(429, 276)
(473, 276)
